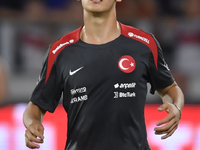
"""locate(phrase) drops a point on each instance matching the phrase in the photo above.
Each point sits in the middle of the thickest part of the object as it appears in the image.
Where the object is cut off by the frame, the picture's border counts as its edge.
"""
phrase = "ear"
(118, 0)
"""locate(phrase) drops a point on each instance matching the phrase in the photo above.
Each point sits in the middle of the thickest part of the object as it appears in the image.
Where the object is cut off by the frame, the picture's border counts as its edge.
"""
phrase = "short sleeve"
(160, 74)
(49, 87)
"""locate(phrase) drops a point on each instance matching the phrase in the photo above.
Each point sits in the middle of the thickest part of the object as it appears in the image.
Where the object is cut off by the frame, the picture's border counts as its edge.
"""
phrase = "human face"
(99, 6)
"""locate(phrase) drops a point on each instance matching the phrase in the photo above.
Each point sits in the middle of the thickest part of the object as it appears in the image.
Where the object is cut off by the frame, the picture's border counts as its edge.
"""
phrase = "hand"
(170, 123)
(33, 135)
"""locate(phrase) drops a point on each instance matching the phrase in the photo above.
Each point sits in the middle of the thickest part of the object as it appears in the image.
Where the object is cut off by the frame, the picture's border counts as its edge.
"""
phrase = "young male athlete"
(102, 70)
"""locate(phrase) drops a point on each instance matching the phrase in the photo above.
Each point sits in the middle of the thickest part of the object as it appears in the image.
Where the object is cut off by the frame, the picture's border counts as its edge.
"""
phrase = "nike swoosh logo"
(71, 73)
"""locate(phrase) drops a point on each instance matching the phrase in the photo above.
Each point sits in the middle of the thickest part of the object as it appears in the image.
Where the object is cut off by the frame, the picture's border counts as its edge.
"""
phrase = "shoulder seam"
(58, 46)
(143, 37)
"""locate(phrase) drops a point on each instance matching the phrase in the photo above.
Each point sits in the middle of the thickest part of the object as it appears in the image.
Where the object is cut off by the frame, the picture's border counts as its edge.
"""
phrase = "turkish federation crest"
(127, 64)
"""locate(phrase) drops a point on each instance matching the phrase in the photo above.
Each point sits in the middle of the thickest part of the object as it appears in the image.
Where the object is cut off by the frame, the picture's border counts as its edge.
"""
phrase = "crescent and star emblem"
(127, 64)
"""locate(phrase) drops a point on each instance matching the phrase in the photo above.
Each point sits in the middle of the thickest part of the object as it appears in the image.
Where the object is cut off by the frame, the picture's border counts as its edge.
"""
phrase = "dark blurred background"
(28, 27)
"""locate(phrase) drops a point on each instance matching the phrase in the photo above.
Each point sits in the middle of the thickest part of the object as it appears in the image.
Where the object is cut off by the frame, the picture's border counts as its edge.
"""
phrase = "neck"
(100, 29)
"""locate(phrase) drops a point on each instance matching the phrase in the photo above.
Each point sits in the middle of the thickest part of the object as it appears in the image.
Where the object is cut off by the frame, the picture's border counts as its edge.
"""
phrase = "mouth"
(96, 1)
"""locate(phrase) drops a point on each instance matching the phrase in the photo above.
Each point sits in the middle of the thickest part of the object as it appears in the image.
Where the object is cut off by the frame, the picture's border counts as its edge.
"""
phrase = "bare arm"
(32, 119)
(173, 103)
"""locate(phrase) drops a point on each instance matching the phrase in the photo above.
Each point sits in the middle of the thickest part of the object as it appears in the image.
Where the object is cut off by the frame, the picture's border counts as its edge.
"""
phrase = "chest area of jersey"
(108, 65)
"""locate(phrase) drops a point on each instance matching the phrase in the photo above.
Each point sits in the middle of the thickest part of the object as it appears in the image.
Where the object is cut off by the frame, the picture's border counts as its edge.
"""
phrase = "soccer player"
(102, 70)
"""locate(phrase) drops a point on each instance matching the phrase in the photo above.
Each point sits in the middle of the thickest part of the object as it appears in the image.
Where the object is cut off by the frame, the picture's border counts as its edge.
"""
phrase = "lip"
(96, 1)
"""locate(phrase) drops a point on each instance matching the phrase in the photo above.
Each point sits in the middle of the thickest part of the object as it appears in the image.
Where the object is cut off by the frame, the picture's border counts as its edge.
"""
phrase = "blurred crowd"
(27, 27)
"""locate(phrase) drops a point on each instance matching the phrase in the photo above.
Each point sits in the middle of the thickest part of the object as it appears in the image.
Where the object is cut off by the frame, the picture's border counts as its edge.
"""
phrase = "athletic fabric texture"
(104, 88)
